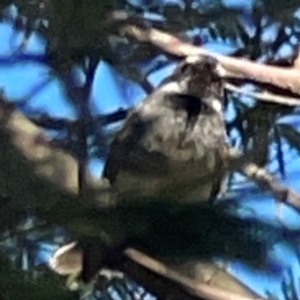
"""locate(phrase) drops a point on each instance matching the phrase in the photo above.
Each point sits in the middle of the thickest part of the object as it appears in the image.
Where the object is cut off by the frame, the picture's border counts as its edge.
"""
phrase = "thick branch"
(195, 288)
(54, 164)
(286, 78)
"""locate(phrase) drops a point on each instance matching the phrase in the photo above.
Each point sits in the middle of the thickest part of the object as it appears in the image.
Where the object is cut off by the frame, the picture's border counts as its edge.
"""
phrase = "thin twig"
(267, 97)
(266, 180)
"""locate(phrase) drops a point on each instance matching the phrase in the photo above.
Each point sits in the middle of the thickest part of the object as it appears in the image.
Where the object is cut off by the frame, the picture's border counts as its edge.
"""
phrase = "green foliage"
(15, 285)
(78, 28)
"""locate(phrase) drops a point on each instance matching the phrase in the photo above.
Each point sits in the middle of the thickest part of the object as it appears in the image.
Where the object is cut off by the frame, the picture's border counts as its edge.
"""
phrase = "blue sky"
(20, 79)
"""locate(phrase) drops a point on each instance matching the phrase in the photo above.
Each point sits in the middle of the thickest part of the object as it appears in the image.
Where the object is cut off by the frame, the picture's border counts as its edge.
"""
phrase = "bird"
(171, 148)
(172, 144)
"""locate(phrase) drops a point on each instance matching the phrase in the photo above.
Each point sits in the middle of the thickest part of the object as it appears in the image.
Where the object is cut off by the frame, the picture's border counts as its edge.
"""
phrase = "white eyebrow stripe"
(171, 87)
(193, 59)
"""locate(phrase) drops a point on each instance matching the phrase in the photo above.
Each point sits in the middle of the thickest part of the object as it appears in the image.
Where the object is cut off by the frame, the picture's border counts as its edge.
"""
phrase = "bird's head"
(200, 77)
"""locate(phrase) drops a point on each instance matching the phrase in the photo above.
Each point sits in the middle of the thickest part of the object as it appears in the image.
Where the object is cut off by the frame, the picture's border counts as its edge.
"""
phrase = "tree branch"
(282, 193)
(144, 269)
(264, 96)
(195, 288)
(286, 78)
